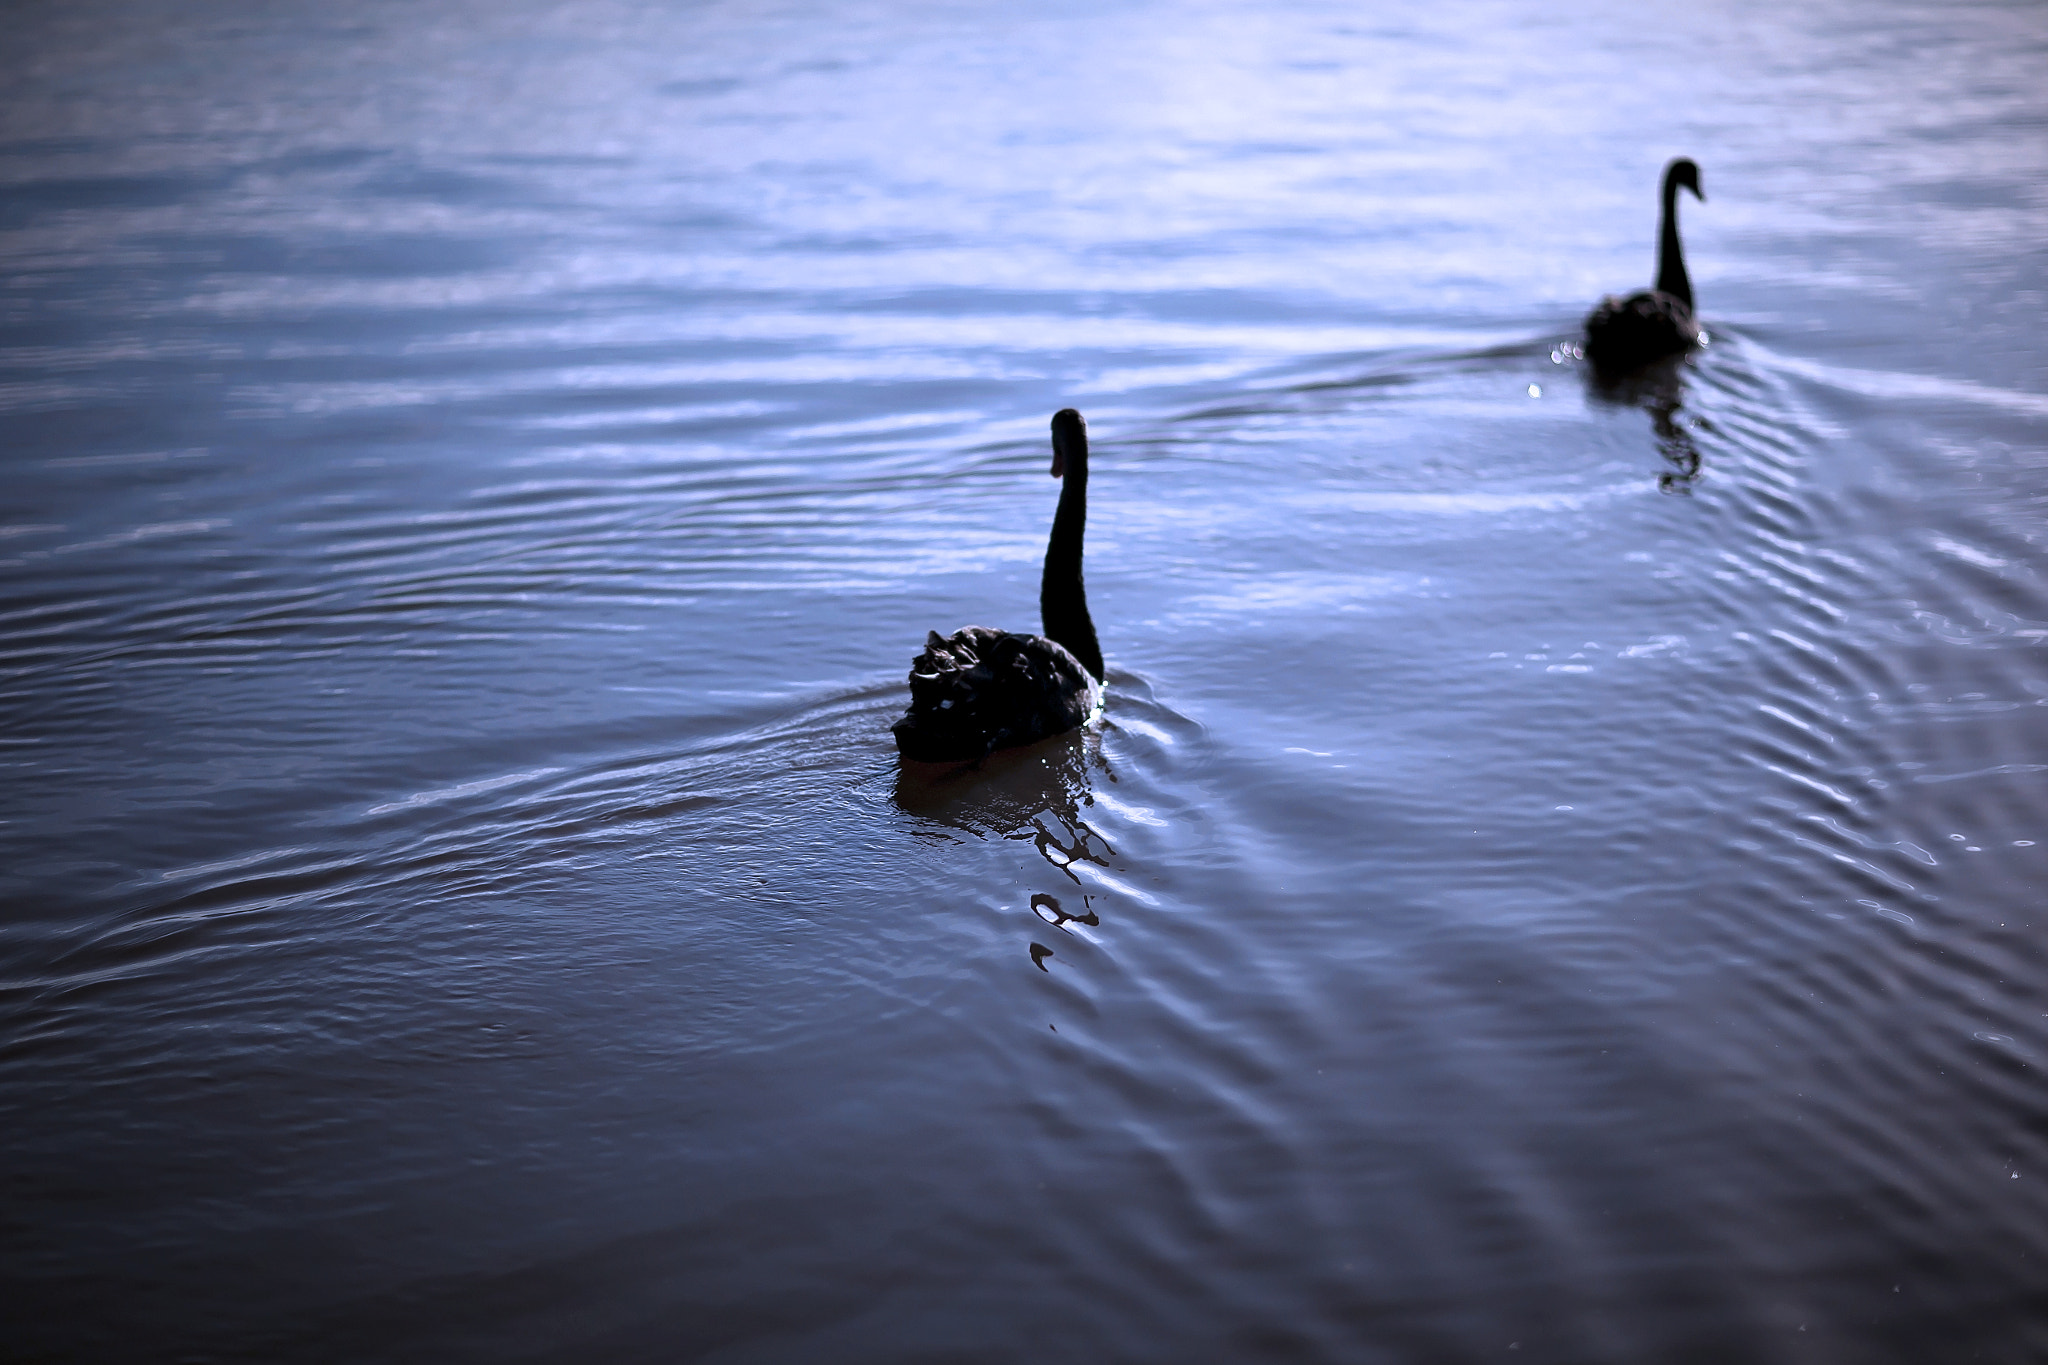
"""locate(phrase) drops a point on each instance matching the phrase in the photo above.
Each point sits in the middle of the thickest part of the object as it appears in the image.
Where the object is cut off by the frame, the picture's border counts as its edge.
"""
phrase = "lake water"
(1558, 877)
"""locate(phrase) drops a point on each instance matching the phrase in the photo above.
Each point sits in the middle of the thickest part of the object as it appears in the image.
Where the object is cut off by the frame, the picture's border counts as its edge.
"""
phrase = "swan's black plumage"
(980, 690)
(1625, 333)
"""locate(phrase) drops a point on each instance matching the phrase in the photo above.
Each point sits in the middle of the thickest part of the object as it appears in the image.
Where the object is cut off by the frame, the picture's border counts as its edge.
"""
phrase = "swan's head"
(1069, 441)
(1684, 172)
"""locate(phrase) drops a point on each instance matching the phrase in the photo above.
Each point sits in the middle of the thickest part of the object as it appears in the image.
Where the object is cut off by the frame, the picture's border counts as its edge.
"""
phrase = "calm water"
(1557, 875)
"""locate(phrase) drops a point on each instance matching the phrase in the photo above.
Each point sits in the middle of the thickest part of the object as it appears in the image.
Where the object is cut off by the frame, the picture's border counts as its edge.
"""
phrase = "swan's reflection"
(1660, 391)
(1048, 908)
(1675, 443)
(1035, 794)
(1002, 793)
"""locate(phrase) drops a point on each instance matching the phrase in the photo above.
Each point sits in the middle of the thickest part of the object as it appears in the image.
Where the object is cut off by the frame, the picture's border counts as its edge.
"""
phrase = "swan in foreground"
(980, 690)
(1622, 334)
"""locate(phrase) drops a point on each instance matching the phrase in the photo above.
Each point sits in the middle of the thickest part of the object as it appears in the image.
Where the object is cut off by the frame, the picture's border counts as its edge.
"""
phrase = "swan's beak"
(1059, 462)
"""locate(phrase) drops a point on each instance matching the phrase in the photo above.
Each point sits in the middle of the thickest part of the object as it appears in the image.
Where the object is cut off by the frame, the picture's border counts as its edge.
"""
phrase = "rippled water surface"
(1558, 873)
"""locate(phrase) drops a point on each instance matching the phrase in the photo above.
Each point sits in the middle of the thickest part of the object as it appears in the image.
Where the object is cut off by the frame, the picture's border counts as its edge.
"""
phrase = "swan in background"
(1622, 334)
(980, 690)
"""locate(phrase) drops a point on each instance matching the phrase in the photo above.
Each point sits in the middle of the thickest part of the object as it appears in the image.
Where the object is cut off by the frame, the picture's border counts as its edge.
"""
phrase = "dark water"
(1557, 879)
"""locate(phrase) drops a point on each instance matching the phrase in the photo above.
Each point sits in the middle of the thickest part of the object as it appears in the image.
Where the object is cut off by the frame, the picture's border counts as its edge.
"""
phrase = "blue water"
(1556, 875)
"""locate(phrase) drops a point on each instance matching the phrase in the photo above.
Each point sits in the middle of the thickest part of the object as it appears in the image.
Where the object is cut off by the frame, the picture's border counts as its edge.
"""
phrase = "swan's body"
(980, 690)
(1625, 333)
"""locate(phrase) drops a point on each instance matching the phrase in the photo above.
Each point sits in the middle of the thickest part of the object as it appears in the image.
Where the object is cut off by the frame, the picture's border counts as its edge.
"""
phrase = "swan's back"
(1626, 332)
(980, 690)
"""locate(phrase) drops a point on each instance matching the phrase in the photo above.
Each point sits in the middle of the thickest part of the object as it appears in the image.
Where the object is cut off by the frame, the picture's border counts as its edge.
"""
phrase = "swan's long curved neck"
(1062, 599)
(1671, 276)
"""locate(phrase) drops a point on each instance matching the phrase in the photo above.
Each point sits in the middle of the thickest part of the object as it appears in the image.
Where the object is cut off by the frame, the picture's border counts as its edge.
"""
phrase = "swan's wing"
(979, 690)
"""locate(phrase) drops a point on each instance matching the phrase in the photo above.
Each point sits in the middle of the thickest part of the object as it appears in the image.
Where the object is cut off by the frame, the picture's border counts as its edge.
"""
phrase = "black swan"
(1622, 334)
(980, 690)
